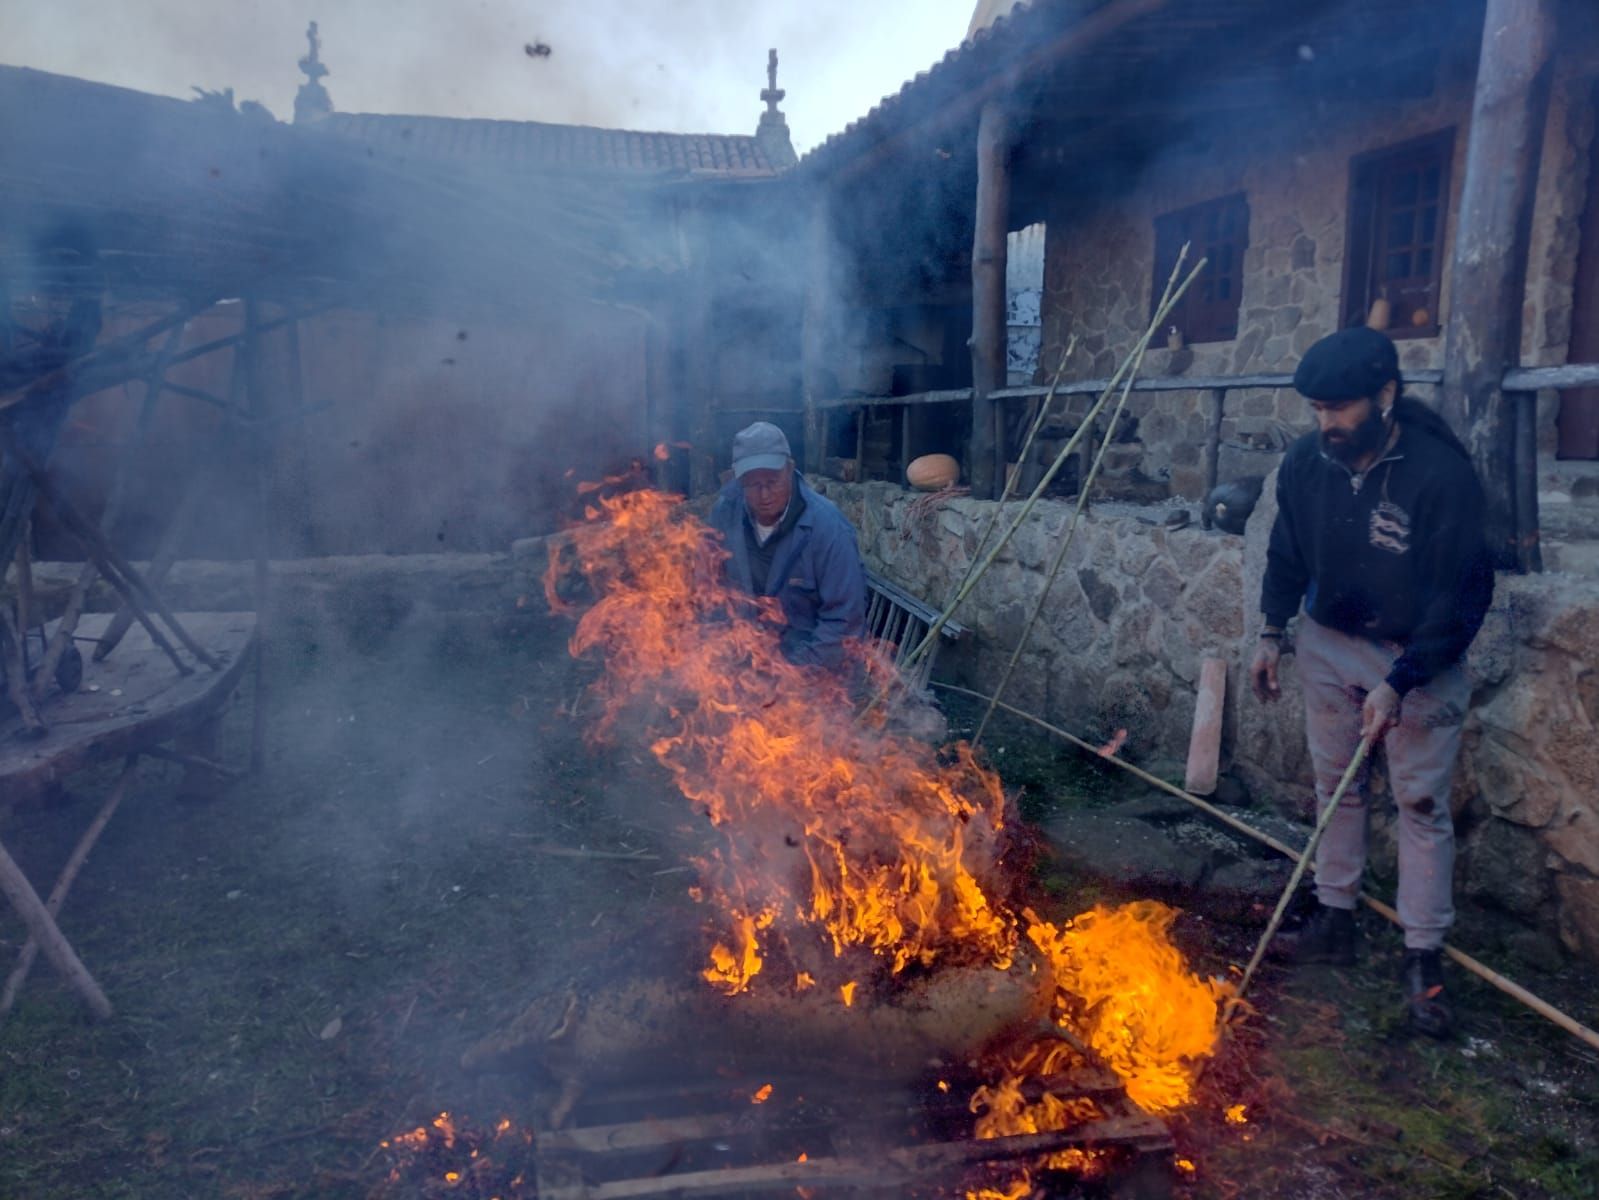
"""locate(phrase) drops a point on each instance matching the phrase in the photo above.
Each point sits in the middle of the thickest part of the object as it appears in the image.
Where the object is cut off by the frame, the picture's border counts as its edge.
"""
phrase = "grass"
(298, 965)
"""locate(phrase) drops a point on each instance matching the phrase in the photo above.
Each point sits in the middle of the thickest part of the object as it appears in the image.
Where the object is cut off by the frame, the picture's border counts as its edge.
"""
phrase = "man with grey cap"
(1379, 534)
(786, 540)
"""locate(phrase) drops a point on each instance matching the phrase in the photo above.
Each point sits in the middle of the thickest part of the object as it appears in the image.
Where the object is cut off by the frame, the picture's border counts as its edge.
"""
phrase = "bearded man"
(1379, 533)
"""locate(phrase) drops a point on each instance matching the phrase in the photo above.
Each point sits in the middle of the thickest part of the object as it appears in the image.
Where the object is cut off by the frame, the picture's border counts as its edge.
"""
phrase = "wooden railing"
(1520, 386)
(1216, 385)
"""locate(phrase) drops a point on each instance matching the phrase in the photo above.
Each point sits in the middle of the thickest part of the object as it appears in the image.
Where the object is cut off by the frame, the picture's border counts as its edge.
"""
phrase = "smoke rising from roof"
(695, 66)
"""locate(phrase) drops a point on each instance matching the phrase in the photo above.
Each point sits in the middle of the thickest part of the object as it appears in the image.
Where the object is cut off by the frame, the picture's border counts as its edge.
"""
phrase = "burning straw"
(847, 859)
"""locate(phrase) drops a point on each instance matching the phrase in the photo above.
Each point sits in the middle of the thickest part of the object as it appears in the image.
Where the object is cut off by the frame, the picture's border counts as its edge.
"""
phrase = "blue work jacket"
(816, 573)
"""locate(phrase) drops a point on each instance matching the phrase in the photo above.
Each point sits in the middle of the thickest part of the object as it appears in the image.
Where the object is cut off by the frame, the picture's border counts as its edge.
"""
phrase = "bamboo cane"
(1298, 873)
(1512, 989)
(1170, 300)
(1071, 532)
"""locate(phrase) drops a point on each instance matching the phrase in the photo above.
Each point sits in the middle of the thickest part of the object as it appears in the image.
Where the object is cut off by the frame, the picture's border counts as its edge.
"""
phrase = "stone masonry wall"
(1294, 170)
(1136, 608)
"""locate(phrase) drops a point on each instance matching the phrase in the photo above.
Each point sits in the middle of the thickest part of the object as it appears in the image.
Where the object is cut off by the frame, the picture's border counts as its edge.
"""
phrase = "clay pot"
(931, 472)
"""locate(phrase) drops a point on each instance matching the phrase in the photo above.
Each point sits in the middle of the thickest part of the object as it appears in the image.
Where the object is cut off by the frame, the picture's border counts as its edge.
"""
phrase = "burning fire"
(829, 823)
(841, 845)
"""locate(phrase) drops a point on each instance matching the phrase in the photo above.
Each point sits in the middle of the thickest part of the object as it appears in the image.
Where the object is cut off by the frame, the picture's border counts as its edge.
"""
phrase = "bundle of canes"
(1298, 873)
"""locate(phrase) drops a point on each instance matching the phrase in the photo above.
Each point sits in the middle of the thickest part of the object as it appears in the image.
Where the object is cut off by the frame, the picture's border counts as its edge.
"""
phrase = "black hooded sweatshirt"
(1396, 554)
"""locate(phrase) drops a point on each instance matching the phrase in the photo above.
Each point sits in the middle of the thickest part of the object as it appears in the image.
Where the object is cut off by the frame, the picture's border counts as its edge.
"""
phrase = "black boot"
(1424, 993)
(1327, 937)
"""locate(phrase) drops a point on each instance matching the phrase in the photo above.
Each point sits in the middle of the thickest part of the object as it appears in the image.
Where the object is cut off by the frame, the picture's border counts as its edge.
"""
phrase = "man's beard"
(1365, 438)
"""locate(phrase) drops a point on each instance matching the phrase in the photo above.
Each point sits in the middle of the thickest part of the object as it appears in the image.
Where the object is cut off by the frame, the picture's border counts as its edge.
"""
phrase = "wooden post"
(1483, 337)
(816, 338)
(986, 468)
(1218, 410)
(257, 404)
(69, 873)
(1529, 550)
(42, 928)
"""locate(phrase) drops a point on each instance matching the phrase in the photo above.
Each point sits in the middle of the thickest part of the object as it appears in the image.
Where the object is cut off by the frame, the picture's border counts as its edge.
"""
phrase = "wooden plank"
(1204, 745)
(153, 706)
(1488, 265)
(892, 1167)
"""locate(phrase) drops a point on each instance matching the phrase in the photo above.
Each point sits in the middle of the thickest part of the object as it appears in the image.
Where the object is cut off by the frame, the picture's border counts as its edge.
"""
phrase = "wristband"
(1271, 635)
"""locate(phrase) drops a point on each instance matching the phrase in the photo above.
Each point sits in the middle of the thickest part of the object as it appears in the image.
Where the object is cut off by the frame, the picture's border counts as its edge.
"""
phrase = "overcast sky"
(680, 65)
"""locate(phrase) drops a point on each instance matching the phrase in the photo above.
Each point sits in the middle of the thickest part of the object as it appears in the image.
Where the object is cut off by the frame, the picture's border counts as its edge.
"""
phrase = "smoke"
(696, 66)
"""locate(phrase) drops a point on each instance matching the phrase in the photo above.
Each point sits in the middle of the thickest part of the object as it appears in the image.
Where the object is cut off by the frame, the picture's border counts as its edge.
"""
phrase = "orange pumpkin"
(931, 472)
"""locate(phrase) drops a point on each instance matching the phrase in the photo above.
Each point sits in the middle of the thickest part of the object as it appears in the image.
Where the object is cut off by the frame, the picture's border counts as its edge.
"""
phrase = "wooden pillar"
(1488, 282)
(698, 371)
(817, 339)
(986, 469)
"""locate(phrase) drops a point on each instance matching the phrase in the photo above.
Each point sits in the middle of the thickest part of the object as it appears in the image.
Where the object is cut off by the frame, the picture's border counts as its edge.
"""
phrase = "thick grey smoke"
(693, 66)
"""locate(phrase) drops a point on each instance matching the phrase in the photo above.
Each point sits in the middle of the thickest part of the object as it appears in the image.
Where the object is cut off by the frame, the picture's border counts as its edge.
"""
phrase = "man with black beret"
(1379, 536)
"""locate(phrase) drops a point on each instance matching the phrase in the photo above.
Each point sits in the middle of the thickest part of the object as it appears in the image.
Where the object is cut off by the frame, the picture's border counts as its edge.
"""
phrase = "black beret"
(1347, 365)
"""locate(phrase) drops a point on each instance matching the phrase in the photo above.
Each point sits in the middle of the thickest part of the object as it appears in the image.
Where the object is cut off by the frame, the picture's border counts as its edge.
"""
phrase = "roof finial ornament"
(772, 93)
(312, 102)
(772, 132)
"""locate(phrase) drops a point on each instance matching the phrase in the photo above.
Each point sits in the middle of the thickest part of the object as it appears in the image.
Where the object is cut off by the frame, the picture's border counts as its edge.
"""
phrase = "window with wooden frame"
(1218, 231)
(1393, 261)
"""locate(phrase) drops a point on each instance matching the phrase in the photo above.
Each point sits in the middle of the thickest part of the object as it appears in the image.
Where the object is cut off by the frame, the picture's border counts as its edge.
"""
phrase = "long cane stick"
(1299, 870)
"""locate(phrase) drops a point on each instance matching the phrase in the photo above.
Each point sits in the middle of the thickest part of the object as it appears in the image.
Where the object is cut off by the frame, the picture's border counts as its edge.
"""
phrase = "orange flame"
(762, 1094)
(840, 841)
(831, 824)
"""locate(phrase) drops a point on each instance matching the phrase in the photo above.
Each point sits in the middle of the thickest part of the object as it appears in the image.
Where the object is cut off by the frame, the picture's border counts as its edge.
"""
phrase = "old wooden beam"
(891, 1167)
(815, 339)
(1488, 267)
(985, 465)
(1218, 412)
(69, 873)
(42, 927)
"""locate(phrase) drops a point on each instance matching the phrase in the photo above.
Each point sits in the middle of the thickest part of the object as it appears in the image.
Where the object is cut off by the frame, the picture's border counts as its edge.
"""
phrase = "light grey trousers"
(1336, 671)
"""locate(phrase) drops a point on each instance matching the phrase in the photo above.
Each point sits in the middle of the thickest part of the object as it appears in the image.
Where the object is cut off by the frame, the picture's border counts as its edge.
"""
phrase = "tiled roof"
(964, 65)
(557, 147)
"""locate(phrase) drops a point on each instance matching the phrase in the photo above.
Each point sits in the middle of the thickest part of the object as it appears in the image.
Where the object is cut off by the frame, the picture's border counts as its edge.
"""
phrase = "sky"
(687, 66)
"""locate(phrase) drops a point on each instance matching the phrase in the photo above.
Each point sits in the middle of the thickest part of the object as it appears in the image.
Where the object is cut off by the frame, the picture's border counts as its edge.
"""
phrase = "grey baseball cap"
(760, 446)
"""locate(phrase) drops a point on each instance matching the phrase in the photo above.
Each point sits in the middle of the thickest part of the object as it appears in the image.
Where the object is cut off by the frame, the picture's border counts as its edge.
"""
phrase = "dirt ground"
(298, 965)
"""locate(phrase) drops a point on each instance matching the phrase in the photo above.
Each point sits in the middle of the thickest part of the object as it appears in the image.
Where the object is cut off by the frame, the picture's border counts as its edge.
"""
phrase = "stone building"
(1423, 167)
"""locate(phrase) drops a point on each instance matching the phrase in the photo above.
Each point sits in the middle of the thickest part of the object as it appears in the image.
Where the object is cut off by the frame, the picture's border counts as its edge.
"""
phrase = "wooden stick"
(120, 573)
(193, 760)
(103, 354)
(1486, 974)
(931, 637)
(1085, 486)
(69, 873)
(132, 454)
(1298, 873)
(17, 675)
(121, 585)
(250, 353)
(889, 1167)
(42, 926)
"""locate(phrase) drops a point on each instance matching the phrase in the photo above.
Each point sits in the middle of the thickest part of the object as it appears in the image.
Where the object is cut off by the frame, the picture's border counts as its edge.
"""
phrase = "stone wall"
(1137, 606)
(1099, 259)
